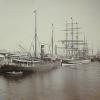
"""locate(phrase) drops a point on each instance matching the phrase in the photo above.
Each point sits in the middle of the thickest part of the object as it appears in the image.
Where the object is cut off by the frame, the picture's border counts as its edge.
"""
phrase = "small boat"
(70, 62)
(14, 73)
(75, 61)
(85, 61)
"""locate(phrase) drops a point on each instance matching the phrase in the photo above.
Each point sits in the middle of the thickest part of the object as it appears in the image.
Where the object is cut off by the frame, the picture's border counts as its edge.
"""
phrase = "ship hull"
(73, 62)
(30, 69)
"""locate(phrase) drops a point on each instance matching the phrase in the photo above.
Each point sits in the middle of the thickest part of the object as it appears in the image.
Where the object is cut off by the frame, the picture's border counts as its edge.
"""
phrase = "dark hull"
(37, 68)
(11, 68)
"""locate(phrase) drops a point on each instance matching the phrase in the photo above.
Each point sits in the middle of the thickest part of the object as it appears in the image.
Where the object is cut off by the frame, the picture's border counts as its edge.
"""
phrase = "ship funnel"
(42, 51)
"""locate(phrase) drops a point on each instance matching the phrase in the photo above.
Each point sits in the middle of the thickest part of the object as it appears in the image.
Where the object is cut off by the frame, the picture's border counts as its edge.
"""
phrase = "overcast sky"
(17, 20)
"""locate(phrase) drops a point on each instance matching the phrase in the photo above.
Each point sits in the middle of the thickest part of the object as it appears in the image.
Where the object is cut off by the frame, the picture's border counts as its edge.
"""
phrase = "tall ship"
(27, 63)
(75, 47)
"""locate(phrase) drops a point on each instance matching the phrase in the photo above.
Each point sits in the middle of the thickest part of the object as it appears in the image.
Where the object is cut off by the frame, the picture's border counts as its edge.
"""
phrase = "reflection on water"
(78, 82)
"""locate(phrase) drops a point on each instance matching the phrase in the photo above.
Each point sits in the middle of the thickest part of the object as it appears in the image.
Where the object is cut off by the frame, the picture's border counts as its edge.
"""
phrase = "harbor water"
(76, 82)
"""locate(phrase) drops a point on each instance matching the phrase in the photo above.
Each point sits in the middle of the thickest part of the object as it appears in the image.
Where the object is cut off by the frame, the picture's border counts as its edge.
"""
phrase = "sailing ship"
(28, 63)
(76, 49)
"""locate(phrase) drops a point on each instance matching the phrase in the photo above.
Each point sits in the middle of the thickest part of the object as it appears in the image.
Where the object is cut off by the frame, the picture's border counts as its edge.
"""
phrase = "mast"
(35, 53)
(87, 53)
(72, 43)
(77, 40)
(56, 50)
(66, 38)
(77, 34)
(85, 47)
(72, 37)
(52, 39)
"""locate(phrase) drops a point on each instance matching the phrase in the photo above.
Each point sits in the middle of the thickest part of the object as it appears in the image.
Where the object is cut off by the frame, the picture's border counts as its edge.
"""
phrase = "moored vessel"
(76, 48)
(28, 64)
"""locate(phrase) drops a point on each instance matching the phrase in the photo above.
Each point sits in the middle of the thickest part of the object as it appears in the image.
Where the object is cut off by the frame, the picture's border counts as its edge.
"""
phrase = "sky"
(17, 21)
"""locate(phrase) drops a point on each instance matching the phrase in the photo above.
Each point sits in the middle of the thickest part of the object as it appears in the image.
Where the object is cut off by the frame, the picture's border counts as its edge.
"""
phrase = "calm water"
(80, 82)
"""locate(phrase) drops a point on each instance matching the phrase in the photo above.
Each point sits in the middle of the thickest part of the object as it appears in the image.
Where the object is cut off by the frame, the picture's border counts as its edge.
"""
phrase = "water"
(79, 82)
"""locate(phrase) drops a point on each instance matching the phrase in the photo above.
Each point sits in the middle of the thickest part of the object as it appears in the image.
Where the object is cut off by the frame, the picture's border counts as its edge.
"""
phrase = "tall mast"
(72, 37)
(52, 39)
(84, 47)
(35, 53)
(77, 40)
(66, 38)
(77, 34)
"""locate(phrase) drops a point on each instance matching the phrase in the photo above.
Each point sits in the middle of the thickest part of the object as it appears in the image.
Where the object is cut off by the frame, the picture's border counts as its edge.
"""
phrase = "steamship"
(28, 64)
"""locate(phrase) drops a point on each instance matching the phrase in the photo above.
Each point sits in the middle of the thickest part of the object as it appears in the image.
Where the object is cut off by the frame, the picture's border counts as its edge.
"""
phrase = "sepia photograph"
(49, 50)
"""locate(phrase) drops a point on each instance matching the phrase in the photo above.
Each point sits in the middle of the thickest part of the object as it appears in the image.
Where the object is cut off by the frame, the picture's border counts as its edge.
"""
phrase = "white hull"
(74, 62)
(15, 73)
(86, 61)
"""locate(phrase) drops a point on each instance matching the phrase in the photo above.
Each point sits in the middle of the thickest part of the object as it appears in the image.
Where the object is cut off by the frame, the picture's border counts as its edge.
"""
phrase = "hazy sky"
(17, 20)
